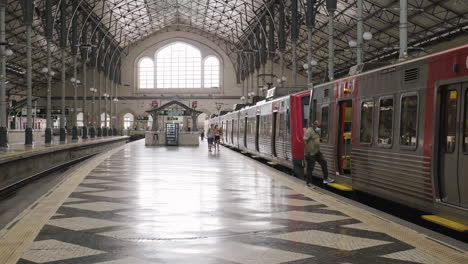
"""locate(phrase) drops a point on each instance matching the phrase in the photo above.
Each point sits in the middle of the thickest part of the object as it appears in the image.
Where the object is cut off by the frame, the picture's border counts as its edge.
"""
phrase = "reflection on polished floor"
(185, 205)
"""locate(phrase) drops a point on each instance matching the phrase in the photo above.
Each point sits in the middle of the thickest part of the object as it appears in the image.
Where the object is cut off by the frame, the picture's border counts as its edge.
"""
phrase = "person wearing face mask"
(312, 153)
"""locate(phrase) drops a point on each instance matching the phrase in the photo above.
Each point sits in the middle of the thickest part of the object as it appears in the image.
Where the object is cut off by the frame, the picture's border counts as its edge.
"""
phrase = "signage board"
(271, 93)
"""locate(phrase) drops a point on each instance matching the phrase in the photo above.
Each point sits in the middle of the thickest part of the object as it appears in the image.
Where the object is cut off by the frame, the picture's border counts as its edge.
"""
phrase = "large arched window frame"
(176, 73)
(146, 75)
(211, 72)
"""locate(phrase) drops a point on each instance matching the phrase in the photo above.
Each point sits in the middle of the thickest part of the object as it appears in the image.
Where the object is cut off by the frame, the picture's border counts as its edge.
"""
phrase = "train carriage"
(399, 132)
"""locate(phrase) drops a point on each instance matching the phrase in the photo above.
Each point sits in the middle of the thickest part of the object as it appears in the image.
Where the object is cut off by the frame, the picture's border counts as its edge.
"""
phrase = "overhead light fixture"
(367, 35)
(9, 52)
(352, 43)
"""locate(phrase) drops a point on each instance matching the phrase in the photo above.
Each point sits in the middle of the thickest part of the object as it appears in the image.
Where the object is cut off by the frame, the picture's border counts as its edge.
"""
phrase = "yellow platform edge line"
(341, 187)
(244, 152)
(255, 157)
(445, 222)
(273, 163)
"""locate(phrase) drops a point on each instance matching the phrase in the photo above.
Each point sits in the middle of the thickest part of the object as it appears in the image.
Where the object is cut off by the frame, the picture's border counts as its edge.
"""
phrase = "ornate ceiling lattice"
(228, 23)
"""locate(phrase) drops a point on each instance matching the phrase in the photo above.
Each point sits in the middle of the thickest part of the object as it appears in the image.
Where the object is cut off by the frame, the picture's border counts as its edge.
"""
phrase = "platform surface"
(143, 205)
(18, 149)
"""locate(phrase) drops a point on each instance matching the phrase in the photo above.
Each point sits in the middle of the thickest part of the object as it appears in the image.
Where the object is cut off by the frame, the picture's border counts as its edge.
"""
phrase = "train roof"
(398, 64)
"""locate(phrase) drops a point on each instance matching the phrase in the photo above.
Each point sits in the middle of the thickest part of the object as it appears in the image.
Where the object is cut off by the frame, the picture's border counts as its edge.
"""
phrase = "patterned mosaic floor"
(185, 205)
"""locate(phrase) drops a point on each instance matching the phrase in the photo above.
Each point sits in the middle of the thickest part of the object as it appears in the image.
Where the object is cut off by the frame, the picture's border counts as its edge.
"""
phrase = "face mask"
(317, 129)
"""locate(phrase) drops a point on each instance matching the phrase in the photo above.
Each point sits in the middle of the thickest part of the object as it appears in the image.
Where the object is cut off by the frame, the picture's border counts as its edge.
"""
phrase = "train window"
(451, 101)
(324, 121)
(385, 121)
(305, 111)
(465, 133)
(409, 120)
(367, 109)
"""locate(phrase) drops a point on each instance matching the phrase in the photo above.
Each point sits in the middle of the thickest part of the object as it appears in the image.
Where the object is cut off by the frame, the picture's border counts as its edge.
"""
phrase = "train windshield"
(305, 111)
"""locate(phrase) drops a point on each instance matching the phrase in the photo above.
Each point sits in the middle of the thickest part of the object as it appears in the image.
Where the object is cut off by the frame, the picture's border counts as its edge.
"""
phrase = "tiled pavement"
(185, 205)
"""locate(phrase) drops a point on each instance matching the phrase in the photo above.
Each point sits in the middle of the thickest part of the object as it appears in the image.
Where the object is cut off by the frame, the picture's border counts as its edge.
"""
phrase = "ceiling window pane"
(146, 73)
(211, 73)
(178, 66)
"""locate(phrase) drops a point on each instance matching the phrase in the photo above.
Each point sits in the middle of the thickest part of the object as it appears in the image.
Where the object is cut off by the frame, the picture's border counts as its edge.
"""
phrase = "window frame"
(204, 59)
(386, 146)
(138, 73)
(328, 122)
(464, 120)
(373, 121)
(403, 95)
(156, 61)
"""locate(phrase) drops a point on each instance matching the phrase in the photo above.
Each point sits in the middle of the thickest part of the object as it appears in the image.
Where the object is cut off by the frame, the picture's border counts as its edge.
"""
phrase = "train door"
(453, 150)
(344, 136)
(257, 131)
(273, 134)
(232, 131)
(245, 132)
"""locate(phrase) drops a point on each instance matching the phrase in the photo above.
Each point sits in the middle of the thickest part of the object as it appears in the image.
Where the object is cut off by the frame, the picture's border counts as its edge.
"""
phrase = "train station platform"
(138, 205)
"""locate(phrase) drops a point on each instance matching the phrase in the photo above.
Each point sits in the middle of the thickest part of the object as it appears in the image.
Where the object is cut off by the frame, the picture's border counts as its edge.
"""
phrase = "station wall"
(137, 101)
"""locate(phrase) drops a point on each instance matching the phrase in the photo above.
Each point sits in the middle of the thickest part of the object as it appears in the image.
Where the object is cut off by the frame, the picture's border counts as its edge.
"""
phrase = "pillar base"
(3, 137)
(92, 132)
(115, 132)
(85, 133)
(99, 132)
(28, 136)
(48, 135)
(63, 135)
(109, 132)
(104, 132)
(74, 133)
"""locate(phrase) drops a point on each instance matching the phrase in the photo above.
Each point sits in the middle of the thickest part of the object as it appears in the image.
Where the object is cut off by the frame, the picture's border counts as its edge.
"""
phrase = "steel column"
(48, 131)
(360, 32)
(63, 46)
(92, 131)
(271, 41)
(84, 59)
(403, 30)
(99, 121)
(28, 17)
(310, 50)
(74, 48)
(48, 35)
(331, 46)
(294, 36)
(282, 40)
(3, 101)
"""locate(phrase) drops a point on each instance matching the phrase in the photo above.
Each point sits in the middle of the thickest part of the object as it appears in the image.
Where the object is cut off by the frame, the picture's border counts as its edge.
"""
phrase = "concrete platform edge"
(20, 237)
(430, 246)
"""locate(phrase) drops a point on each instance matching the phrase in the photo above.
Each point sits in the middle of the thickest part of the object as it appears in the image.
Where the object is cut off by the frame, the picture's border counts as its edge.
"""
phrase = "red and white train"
(399, 132)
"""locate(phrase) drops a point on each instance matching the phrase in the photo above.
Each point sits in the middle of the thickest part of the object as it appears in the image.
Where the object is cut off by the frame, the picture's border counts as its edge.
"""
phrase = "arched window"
(211, 72)
(178, 66)
(103, 120)
(128, 121)
(146, 73)
(79, 119)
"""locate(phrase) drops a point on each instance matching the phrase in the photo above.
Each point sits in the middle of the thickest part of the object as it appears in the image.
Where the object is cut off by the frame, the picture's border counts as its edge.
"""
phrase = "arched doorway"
(128, 119)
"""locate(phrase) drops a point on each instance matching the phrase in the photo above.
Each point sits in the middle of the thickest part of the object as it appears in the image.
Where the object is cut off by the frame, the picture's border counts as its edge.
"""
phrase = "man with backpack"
(312, 153)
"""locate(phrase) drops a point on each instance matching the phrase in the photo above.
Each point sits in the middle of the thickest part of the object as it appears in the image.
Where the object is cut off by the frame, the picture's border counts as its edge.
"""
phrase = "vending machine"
(172, 134)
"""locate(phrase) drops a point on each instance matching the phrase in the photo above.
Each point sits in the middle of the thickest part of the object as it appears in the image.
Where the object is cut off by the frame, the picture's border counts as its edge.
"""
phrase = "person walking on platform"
(210, 137)
(202, 135)
(221, 134)
(216, 137)
(312, 153)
